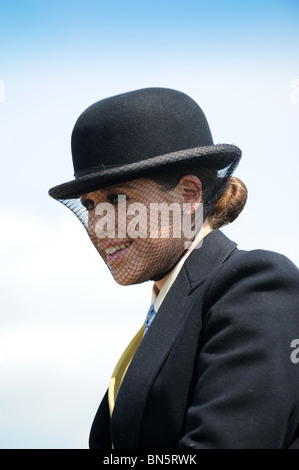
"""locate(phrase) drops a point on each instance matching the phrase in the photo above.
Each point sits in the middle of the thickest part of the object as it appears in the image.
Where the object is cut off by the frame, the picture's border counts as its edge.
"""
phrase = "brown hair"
(229, 205)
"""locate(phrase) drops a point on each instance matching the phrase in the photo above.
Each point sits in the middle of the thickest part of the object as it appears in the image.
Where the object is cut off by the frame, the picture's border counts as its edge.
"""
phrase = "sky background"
(64, 321)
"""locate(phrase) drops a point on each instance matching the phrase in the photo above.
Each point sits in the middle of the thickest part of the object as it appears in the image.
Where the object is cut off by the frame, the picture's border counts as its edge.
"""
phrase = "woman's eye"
(116, 199)
(88, 204)
(113, 199)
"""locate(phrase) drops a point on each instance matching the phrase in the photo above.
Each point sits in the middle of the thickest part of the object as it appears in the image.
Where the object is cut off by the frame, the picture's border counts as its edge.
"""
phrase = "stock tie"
(149, 318)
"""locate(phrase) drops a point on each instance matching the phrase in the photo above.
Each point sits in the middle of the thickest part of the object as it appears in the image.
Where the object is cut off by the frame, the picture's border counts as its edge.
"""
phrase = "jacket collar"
(160, 338)
(213, 251)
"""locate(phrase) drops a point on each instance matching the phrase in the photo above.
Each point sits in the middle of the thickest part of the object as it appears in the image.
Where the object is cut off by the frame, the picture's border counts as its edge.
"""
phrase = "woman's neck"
(206, 228)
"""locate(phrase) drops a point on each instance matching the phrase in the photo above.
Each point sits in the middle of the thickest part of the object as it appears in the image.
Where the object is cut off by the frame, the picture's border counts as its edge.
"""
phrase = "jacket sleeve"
(246, 394)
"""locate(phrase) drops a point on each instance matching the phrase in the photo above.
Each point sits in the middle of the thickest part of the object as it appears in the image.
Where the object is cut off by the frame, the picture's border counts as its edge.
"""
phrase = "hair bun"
(229, 205)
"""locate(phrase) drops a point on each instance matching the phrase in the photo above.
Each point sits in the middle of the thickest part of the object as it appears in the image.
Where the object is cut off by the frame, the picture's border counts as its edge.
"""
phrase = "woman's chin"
(124, 281)
(129, 277)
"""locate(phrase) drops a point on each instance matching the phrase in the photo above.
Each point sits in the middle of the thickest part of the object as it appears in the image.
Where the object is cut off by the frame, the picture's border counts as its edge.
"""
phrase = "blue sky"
(62, 327)
(220, 30)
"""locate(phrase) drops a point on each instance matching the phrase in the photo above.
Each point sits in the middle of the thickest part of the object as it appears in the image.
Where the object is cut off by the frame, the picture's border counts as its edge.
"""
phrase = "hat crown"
(136, 126)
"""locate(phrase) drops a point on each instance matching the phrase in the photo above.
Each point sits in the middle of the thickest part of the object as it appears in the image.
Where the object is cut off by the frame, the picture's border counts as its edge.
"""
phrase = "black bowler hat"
(139, 133)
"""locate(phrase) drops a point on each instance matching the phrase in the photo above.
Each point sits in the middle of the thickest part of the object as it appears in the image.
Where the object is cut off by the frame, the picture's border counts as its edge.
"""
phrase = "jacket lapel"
(160, 338)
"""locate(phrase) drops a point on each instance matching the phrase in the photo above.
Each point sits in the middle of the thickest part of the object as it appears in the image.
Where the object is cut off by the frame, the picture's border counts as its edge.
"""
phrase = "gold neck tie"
(121, 368)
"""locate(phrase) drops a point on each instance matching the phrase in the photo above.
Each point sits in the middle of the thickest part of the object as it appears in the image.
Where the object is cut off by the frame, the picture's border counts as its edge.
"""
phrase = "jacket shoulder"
(259, 277)
(257, 260)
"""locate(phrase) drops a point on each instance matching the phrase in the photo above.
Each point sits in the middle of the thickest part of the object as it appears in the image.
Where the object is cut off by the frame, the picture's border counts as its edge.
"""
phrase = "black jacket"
(214, 370)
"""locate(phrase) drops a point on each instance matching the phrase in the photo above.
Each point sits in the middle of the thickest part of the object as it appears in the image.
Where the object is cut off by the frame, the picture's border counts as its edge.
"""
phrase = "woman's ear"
(190, 189)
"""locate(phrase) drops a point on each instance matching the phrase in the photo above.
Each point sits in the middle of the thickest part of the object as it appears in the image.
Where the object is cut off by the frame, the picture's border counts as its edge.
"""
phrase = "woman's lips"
(117, 252)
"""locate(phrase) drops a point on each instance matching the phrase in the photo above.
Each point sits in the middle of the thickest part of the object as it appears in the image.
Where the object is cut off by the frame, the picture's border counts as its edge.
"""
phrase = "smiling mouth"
(117, 252)
(113, 249)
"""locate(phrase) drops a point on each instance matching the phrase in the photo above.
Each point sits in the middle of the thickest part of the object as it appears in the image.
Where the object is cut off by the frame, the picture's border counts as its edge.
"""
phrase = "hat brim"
(214, 156)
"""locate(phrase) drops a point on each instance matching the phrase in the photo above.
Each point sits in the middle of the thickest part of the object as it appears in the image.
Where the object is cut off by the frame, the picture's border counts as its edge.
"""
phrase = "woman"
(210, 367)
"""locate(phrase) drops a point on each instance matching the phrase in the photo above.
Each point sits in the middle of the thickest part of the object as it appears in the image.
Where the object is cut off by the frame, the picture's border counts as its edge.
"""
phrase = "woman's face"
(136, 240)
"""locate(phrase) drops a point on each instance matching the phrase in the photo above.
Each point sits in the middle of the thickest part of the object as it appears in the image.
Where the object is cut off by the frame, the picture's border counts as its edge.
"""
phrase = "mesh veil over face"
(143, 226)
